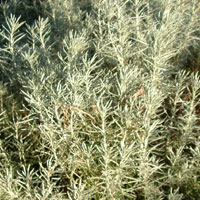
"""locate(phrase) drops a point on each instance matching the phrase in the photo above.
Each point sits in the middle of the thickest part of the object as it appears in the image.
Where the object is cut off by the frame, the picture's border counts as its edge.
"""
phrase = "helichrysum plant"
(99, 100)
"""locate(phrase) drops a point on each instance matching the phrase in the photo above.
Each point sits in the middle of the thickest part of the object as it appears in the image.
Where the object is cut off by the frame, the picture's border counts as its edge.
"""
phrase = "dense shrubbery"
(99, 99)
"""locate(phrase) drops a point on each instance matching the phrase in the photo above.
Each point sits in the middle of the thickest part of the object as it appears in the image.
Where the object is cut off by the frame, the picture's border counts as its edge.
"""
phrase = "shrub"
(99, 99)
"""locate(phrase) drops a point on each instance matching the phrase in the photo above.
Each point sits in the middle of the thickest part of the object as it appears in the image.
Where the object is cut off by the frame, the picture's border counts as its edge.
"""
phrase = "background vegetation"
(99, 99)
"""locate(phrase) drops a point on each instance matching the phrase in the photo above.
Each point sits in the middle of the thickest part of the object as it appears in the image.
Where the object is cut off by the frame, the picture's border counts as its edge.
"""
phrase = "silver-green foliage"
(93, 104)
